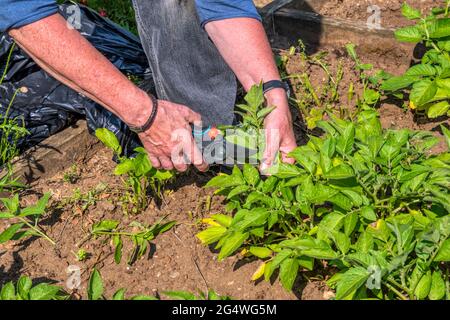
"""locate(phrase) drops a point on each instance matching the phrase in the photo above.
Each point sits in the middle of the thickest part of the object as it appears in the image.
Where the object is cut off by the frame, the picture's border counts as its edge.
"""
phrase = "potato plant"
(24, 290)
(428, 82)
(141, 176)
(371, 202)
(25, 221)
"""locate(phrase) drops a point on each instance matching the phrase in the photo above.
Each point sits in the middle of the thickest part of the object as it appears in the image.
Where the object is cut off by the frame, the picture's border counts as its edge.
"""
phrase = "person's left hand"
(279, 134)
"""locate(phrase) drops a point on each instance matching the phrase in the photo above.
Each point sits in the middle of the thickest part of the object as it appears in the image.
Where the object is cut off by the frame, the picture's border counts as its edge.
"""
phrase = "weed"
(141, 236)
(140, 173)
(72, 175)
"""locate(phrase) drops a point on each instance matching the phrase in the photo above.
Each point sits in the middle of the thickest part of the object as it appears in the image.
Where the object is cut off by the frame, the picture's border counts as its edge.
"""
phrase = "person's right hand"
(169, 140)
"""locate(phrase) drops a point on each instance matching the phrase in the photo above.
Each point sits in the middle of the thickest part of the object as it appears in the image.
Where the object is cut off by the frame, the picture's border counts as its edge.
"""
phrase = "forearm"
(243, 44)
(71, 59)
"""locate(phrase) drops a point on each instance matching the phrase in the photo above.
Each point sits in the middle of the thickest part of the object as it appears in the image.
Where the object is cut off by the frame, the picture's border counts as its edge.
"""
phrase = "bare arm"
(71, 59)
(243, 44)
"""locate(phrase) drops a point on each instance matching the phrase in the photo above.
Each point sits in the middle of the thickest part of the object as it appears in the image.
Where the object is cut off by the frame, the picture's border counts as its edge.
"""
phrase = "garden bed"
(85, 190)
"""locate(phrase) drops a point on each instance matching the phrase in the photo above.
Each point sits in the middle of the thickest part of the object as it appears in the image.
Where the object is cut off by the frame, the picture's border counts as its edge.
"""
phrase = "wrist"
(140, 109)
(277, 98)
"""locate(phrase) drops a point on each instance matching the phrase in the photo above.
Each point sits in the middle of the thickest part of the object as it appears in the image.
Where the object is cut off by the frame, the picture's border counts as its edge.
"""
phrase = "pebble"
(174, 275)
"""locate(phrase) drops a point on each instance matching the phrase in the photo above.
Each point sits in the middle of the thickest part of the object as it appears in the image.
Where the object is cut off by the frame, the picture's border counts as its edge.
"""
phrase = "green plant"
(428, 82)
(24, 290)
(95, 290)
(72, 175)
(81, 255)
(27, 219)
(141, 236)
(370, 79)
(10, 133)
(139, 171)
(82, 201)
(314, 101)
(352, 192)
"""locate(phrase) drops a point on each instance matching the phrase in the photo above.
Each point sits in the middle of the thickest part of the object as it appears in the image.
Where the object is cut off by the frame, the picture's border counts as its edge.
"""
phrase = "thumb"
(272, 147)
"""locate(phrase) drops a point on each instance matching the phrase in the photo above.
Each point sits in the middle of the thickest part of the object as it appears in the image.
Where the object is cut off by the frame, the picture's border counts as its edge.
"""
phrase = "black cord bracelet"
(151, 118)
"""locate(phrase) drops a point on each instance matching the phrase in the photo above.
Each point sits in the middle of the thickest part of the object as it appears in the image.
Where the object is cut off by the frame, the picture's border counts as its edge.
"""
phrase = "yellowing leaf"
(259, 272)
(211, 222)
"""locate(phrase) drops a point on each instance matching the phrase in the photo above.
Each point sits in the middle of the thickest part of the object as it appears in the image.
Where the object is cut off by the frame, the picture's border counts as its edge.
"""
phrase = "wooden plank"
(54, 154)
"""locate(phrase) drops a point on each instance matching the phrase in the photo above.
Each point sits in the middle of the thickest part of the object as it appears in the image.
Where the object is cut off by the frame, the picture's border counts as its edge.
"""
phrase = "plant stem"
(397, 293)
(37, 230)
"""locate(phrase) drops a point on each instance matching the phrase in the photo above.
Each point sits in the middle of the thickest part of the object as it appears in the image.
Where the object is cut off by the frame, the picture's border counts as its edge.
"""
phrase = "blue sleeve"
(18, 13)
(211, 10)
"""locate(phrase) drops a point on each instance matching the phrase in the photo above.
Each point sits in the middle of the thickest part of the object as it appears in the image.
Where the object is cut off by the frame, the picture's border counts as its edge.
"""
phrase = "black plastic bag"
(48, 106)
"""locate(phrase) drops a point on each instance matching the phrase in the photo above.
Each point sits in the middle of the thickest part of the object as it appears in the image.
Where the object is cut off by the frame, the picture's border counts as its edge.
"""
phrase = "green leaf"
(350, 221)
(365, 242)
(446, 133)
(346, 140)
(261, 252)
(342, 242)
(398, 83)
(231, 244)
(222, 219)
(421, 70)
(109, 139)
(264, 112)
(342, 171)
(23, 287)
(423, 92)
(8, 292)
(255, 97)
(238, 190)
(44, 291)
(444, 252)
(437, 291)
(351, 281)
(321, 251)
(368, 213)
(408, 34)
(10, 232)
(424, 286)
(288, 272)
(118, 248)
(95, 288)
(211, 235)
(285, 171)
(119, 295)
(251, 174)
(37, 209)
(105, 226)
(409, 12)
(124, 167)
(438, 109)
(439, 28)
(180, 295)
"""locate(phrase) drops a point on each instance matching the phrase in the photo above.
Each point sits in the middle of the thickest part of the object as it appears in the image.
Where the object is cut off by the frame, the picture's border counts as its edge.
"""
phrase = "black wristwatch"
(151, 118)
(277, 84)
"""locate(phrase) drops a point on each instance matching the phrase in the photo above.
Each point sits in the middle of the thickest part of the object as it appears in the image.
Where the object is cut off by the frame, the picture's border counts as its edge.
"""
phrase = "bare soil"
(361, 10)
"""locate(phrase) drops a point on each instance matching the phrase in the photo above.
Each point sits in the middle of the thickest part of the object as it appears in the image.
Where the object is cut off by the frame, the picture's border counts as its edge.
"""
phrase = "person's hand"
(169, 140)
(279, 135)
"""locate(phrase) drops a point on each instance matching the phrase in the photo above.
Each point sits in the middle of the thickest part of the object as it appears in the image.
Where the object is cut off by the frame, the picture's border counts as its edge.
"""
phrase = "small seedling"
(26, 219)
(141, 239)
(81, 255)
(72, 175)
(139, 171)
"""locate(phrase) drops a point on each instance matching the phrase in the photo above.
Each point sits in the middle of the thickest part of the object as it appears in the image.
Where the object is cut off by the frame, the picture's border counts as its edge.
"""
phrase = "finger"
(191, 116)
(286, 148)
(272, 147)
(195, 156)
(166, 163)
(155, 162)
